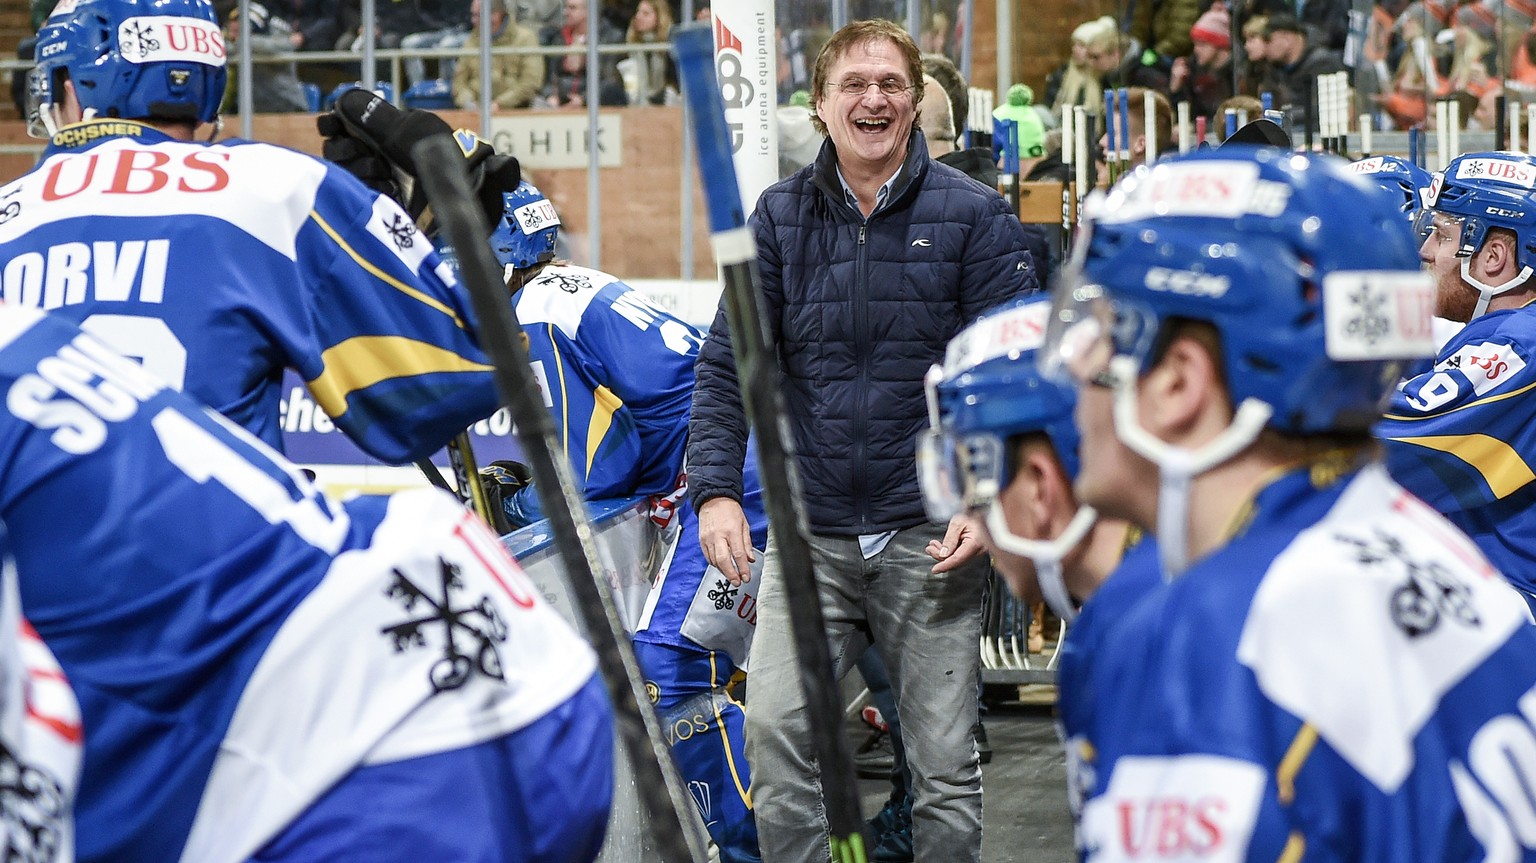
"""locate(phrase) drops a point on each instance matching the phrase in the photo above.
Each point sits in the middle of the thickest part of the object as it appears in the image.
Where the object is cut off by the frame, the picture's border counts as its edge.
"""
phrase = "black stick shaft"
(440, 168)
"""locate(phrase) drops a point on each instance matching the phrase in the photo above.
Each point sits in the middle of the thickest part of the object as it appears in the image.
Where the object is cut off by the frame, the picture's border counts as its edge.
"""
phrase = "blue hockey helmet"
(135, 59)
(1301, 267)
(989, 389)
(1309, 276)
(1407, 181)
(1479, 191)
(526, 233)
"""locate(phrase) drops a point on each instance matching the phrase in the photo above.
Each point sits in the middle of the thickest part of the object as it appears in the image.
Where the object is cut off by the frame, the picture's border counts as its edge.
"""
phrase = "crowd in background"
(1401, 57)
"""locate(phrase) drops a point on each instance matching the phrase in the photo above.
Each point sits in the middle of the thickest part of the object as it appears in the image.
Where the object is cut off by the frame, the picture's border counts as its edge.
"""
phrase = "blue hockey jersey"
(237, 642)
(617, 373)
(1462, 436)
(217, 265)
(1138, 574)
(1346, 680)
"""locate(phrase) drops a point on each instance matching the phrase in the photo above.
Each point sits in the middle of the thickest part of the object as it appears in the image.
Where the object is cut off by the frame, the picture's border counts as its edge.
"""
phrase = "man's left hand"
(959, 545)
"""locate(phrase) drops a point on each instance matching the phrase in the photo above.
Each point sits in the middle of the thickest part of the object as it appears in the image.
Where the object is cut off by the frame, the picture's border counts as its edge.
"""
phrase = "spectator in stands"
(1160, 31)
(1255, 75)
(1207, 81)
(323, 25)
(1080, 82)
(393, 20)
(515, 78)
(655, 72)
(537, 14)
(275, 87)
(1295, 64)
(447, 24)
(1076, 82)
(565, 82)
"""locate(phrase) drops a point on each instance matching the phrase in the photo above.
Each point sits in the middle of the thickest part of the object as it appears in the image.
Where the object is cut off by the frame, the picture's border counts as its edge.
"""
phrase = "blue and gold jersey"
(1347, 679)
(238, 642)
(1462, 436)
(617, 373)
(218, 265)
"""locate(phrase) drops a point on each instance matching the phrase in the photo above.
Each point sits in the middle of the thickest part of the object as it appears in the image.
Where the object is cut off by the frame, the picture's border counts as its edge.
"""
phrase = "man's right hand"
(726, 538)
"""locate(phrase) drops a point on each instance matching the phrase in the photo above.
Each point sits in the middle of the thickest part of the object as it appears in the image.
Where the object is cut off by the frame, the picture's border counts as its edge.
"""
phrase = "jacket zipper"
(861, 398)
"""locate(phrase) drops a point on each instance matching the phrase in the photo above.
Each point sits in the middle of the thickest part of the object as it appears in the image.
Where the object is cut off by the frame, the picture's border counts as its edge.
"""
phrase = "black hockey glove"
(502, 479)
(373, 139)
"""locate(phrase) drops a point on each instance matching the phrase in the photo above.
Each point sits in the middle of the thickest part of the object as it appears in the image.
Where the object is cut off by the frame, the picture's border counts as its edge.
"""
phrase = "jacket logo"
(922, 241)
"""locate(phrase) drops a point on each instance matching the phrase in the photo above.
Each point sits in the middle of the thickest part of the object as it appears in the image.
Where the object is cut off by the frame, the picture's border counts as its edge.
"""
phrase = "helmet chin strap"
(1485, 293)
(1046, 554)
(1178, 466)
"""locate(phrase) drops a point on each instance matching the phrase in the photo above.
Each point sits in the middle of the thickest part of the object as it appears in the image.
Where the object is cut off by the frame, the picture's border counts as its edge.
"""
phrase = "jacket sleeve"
(717, 428)
(998, 264)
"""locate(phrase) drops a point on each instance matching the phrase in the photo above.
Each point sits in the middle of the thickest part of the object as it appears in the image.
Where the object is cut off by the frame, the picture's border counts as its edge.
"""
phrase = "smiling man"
(871, 259)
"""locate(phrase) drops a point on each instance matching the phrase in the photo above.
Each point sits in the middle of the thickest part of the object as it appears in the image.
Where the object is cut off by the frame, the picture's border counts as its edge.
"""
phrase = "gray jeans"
(927, 627)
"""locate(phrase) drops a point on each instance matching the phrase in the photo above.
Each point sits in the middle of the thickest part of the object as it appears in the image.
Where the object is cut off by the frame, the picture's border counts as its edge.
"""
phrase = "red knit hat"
(1213, 28)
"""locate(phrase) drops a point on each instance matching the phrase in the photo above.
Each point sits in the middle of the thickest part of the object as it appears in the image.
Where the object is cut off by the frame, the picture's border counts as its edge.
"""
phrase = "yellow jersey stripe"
(1295, 846)
(725, 740)
(604, 405)
(1498, 462)
(361, 362)
(1290, 765)
(384, 277)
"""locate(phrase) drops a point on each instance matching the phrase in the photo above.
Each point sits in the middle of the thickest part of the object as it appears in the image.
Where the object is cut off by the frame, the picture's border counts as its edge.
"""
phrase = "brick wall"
(15, 25)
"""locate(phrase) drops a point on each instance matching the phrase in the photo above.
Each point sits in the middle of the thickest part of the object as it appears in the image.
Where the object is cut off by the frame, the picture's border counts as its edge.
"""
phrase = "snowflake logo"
(723, 594)
(401, 231)
(1429, 591)
(1369, 321)
(31, 811)
(570, 283)
(467, 635)
(138, 39)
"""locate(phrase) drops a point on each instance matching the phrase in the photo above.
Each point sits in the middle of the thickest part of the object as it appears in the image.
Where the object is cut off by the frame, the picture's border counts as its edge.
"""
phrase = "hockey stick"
(764, 403)
(440, 169)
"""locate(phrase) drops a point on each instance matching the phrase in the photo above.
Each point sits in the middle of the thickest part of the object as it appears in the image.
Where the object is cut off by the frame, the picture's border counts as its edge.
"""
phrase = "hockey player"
(1461, 435)
(264, 674)
(218, 265)
(617, 372)
(1332, 672)
(1402, 178)
(1005, 449)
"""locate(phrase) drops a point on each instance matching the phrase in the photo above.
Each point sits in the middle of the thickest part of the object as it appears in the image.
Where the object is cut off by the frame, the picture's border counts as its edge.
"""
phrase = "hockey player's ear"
(1183, 400)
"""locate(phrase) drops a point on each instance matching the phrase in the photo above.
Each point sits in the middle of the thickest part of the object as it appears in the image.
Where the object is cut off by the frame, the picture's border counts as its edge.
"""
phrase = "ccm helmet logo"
(1508, 214)
(1187, 282)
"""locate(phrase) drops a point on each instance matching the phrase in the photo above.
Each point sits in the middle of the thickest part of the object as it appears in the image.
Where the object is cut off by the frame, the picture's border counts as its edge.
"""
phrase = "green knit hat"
(1020, 109)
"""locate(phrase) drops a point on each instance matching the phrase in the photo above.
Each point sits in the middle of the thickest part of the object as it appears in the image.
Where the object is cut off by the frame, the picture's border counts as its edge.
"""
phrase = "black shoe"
(983, 748)
(874, 759)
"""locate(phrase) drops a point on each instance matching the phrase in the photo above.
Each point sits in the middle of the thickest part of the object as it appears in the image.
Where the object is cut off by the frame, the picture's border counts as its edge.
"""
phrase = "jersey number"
(146, 339)
(201, 455)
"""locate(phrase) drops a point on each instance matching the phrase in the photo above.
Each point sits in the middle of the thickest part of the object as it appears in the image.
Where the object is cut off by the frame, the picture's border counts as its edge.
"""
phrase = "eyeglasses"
(858, 86)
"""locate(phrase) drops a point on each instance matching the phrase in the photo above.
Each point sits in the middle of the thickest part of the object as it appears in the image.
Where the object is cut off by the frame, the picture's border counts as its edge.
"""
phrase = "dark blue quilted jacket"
(858, 310)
